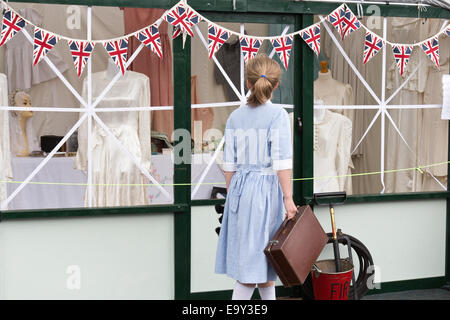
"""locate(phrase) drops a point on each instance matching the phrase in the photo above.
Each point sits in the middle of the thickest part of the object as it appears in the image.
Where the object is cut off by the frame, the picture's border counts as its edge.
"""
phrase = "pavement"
(428, 294)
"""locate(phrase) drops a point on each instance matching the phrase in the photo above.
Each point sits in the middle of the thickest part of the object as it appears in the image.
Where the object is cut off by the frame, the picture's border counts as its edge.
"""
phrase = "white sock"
(267, 293)
(242, 292)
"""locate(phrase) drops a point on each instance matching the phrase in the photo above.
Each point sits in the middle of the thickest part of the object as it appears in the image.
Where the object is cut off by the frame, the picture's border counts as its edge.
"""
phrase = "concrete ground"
(429, 294)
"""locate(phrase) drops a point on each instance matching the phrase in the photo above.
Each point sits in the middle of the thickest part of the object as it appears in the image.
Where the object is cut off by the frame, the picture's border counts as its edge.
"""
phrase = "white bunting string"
(184, 19)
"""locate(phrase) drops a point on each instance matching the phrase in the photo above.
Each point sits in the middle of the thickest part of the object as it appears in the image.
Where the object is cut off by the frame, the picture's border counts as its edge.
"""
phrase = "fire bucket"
(329, 284)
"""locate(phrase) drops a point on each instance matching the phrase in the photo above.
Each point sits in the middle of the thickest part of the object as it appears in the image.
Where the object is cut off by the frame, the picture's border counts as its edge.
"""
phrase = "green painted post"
(182, 172)
(303, 109)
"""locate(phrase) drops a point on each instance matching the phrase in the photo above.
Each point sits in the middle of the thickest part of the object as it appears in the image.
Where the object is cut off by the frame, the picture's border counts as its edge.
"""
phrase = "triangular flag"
(249, 47)
(150, 37)
(402, 54)
(44, 41)
(117, 49)
(311, 35)
(176, 32)
(283, 47)
(81, 52)
(336, 18)
(12, 24)
(178, 17)
(372, 45)
(431, 49)
(216, 38)
(350, 23)
(192, 19)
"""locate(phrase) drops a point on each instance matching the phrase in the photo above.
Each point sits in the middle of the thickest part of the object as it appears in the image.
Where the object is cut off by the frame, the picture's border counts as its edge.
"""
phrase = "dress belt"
(239, 181)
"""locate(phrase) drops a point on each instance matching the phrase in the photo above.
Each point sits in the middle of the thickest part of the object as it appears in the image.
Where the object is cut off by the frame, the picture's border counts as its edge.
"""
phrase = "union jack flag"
(311, 36)
(81, 51)
(372, 45)
(249, 47)
(12, 24)
(150, 37)
(431, 49)
(402, 55)
(216, 38)
(336, 18)
(350, 23)
(178, 17)
(117, 49)
(283, 47)
(193, 19)
(44, 41)
(176, 32)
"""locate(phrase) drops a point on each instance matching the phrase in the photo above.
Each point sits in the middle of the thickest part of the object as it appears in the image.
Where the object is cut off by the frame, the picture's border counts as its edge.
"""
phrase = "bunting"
(151, 39)
(184, 18)
(431, 49)
(178, 17)
(283, 47)
(249, 47)
(44, 41)
(81, 51)
(118, 52)
(12, 24)
(350, 23)
(402, 54)
(192, 19)
(336, 18)
(311, 36)
(372, 45)
(216, 38)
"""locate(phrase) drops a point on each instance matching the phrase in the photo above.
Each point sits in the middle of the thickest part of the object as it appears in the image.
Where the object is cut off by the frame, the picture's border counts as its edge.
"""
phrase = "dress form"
(332, 138)
(23, 139)
(5, 152)
(111, 166)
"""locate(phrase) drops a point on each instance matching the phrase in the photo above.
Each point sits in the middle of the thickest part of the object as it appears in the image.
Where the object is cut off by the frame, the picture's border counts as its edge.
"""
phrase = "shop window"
(94, 140)
(377, 130)
(218, 88)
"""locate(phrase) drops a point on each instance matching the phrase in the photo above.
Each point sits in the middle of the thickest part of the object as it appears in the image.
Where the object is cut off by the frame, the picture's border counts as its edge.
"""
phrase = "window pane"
(352, 151)
(130, 143)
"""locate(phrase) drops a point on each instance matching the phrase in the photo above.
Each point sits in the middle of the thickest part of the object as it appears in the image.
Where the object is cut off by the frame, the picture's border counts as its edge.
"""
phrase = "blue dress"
(257, 144)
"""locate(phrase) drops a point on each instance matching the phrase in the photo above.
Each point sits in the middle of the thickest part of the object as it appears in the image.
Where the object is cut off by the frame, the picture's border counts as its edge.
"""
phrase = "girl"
(257, 165)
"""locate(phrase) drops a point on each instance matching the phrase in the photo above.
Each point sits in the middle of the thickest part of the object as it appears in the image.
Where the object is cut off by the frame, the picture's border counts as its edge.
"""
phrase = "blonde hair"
(263, 73)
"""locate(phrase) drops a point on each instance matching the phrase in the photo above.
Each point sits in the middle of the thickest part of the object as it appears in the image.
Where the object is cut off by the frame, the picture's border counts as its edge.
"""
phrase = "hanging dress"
(257, 143)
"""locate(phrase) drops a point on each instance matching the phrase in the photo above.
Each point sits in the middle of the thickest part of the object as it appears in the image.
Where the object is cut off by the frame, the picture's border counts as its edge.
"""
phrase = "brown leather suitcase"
(296, 246)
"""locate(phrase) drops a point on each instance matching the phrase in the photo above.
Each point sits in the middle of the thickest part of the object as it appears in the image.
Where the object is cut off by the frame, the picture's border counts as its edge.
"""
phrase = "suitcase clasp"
(272, 242)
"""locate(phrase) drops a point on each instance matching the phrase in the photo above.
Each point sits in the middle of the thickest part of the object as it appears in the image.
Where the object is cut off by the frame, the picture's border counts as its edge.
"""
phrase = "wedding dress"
(5, 153)
(111, 166)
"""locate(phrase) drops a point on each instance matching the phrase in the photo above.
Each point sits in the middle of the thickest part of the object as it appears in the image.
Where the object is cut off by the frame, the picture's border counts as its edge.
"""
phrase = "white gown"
(332, 143)
(111, 166)
(5, 153)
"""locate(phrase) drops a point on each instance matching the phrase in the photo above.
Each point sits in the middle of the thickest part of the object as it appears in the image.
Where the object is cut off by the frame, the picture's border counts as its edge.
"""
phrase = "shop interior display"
(23, 137)
(5, 153)
(111, 167)
(336, 130)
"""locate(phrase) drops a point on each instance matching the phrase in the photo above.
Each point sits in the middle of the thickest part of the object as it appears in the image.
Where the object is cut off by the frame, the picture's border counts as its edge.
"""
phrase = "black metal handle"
(329, 195)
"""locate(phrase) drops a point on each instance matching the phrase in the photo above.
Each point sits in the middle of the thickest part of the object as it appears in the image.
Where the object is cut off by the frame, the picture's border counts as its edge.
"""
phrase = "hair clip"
(263, 76)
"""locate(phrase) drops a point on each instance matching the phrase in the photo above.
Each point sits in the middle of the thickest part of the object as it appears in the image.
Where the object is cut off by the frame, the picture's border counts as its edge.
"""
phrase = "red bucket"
(329, 284)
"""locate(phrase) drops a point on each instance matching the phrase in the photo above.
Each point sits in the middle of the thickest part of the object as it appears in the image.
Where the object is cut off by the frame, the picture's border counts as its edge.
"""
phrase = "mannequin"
(23, 138)
(330, 91)
(319, 114)
(332, 144)
(111, 166)
(5, 153)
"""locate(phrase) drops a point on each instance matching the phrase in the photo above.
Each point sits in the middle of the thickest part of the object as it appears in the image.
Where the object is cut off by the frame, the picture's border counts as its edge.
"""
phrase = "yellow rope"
(419, 168)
